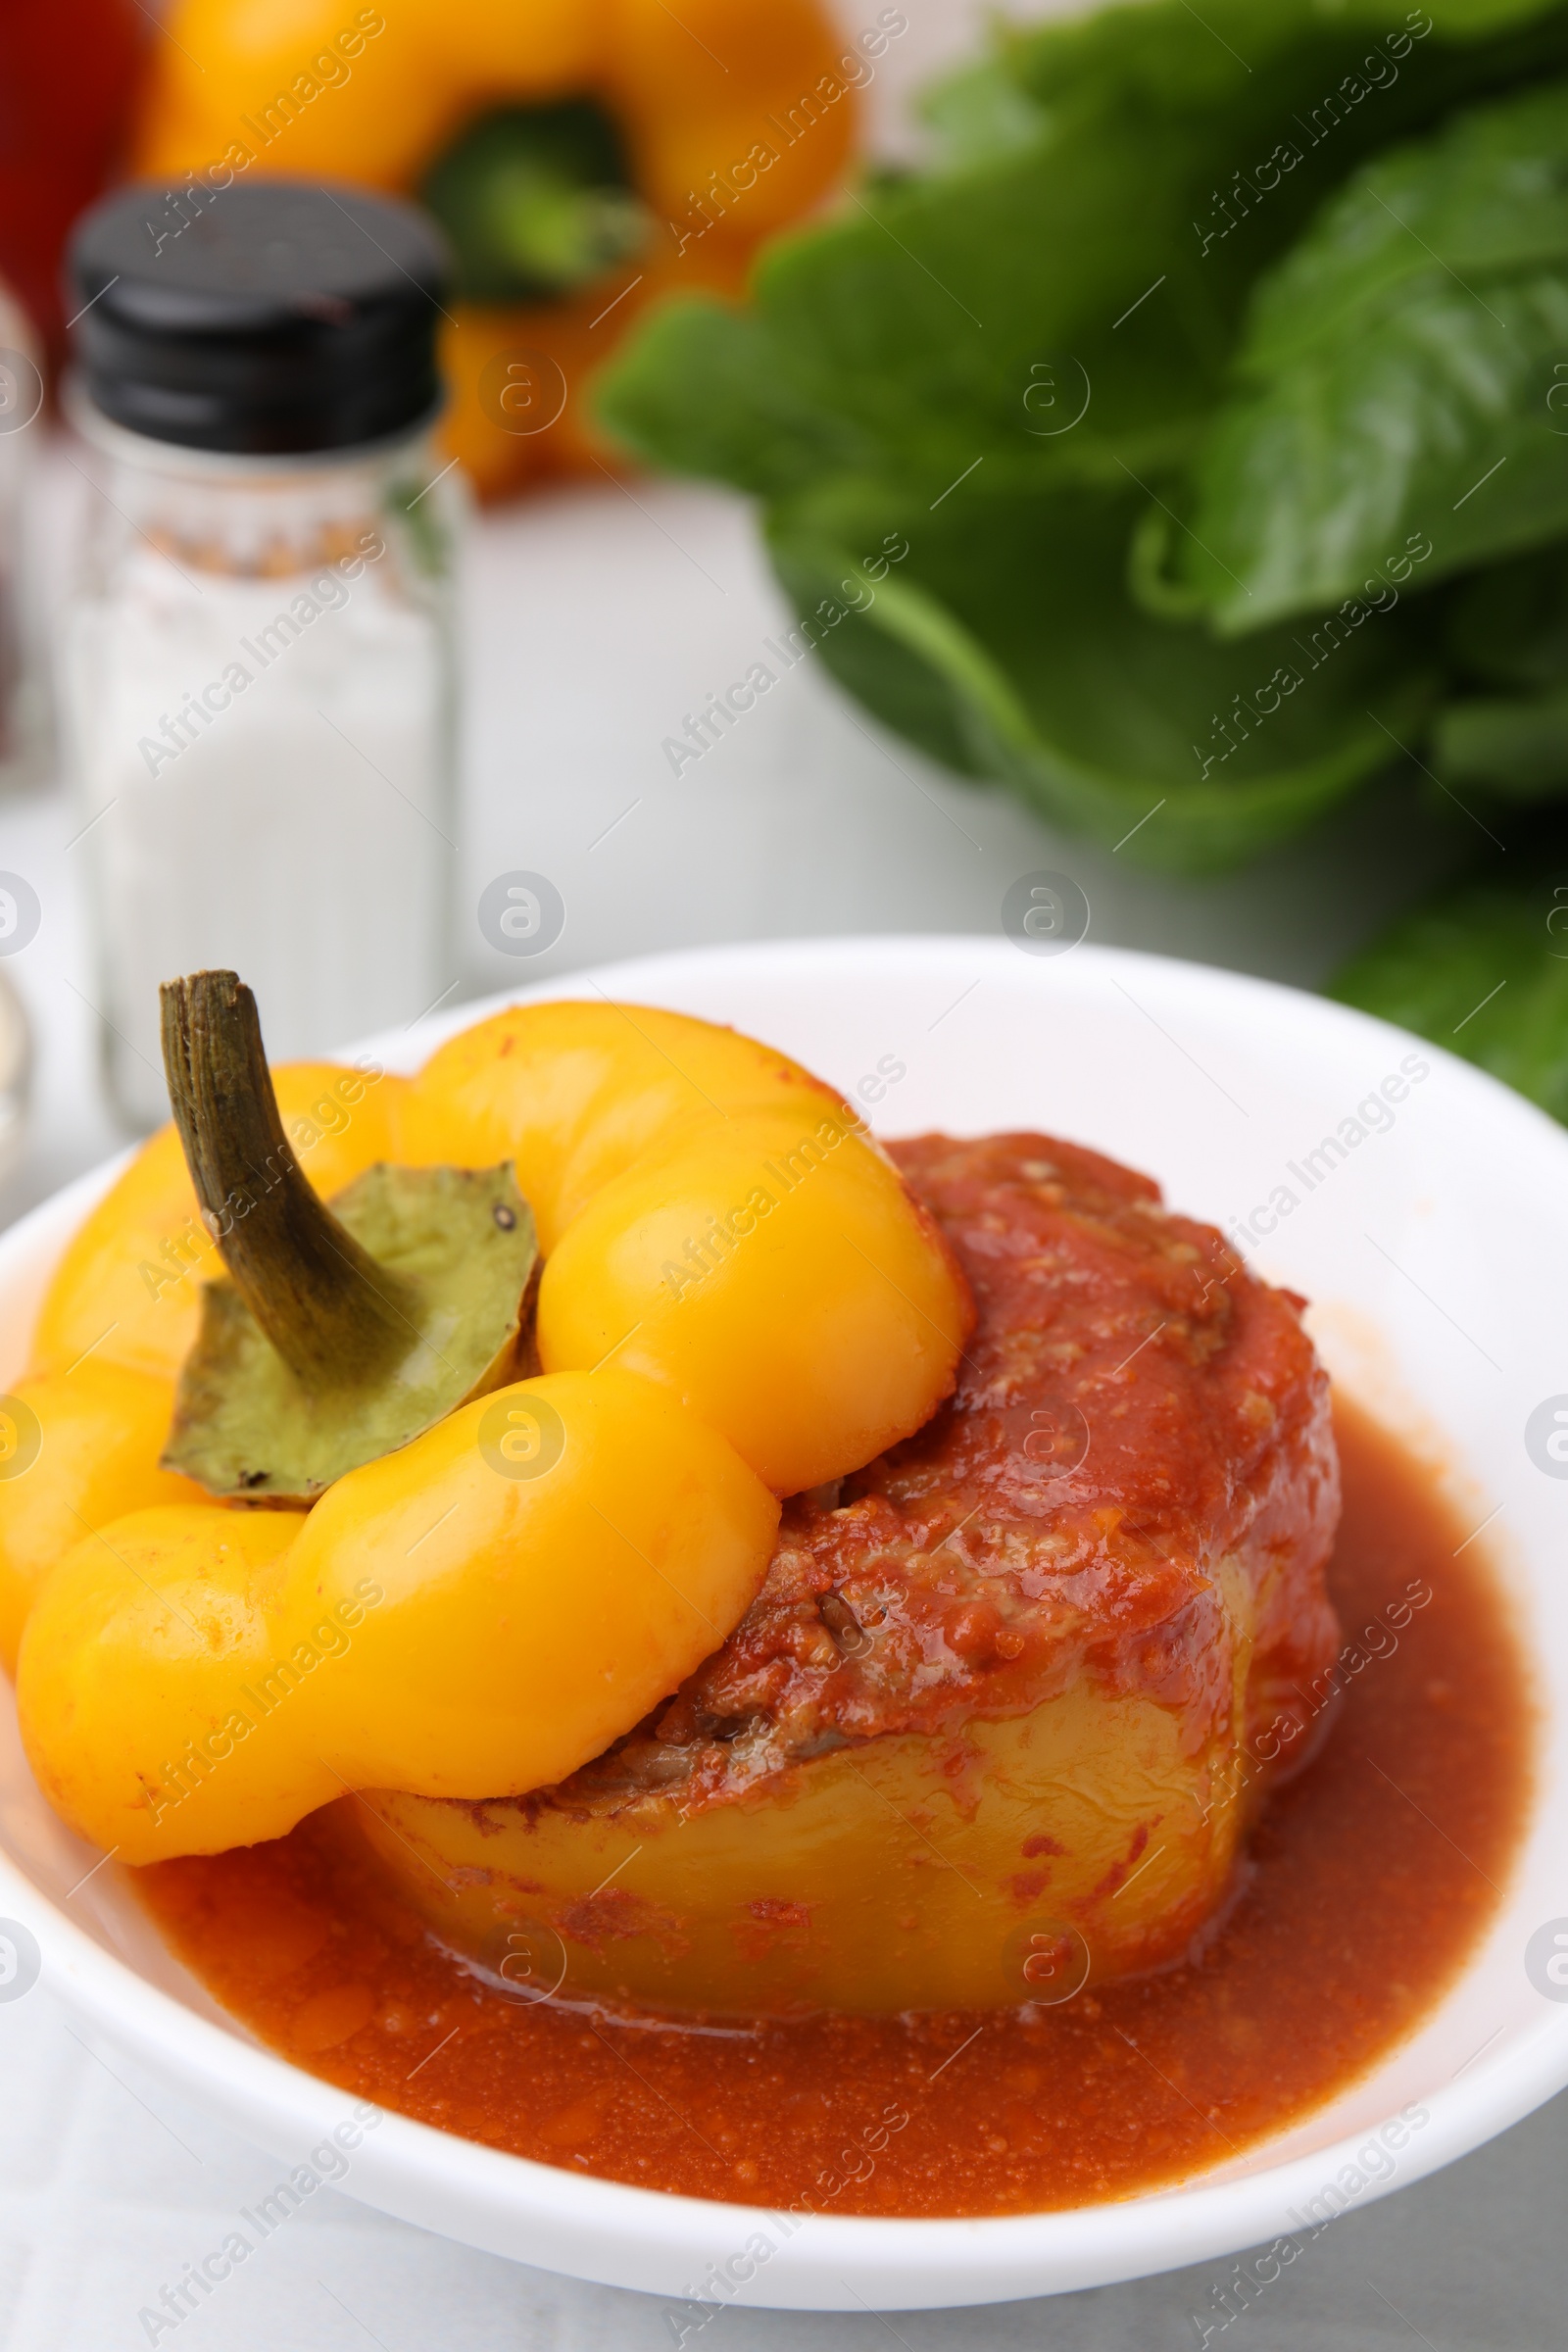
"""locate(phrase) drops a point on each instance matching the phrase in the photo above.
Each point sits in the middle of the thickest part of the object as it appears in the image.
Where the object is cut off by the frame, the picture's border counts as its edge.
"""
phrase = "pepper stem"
(537, 201)
(334, 1315)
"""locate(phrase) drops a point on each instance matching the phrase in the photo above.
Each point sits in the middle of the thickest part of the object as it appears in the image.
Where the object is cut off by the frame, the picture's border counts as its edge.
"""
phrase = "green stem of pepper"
(537, 202)
(333, 1314)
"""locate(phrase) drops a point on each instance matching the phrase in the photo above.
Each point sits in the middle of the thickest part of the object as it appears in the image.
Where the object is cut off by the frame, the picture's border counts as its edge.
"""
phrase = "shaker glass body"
(259, 703)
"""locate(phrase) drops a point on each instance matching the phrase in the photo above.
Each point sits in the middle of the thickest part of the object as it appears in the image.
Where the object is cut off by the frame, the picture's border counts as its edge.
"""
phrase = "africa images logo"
(20, 1960)
(1546, 1959)
(1547, 1437)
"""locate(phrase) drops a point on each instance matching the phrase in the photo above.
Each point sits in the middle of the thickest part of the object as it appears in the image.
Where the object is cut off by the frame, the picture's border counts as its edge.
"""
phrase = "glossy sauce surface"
(1367, 1881)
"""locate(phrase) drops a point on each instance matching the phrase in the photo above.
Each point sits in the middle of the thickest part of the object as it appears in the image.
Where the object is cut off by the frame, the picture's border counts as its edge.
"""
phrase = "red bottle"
(67, 82)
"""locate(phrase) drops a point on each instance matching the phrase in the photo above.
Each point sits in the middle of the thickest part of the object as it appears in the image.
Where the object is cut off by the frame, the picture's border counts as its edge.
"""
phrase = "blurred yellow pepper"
(583, 156)
(741, 1301)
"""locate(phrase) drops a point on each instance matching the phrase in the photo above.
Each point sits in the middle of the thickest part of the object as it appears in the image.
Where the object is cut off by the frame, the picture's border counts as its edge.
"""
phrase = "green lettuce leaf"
(1453, 19)
(1136, 58)
(1115, 249)
(1396, 376)
(750, 427)
(1012, 358)
(1508, 625)
(1517, 747)
(1006, 644)
(1482, 969)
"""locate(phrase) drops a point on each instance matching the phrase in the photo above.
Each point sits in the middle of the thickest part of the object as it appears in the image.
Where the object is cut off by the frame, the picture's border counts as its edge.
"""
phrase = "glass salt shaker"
(257, 685)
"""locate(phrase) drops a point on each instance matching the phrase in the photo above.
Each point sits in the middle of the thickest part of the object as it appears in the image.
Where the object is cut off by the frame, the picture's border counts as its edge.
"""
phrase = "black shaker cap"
(280, 317)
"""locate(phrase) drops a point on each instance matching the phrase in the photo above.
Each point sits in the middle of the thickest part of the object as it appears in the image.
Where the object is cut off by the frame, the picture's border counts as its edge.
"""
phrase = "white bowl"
(1436, 1258)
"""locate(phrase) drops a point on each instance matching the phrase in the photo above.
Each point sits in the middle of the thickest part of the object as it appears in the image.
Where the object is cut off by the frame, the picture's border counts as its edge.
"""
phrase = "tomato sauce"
(1367, 1881)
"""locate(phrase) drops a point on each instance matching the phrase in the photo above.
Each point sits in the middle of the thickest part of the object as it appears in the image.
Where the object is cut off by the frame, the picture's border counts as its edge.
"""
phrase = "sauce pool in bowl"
(1366, 1883)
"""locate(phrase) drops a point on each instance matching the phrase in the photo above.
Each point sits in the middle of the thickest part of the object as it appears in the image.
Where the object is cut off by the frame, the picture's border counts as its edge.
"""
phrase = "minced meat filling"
(1134, 1406)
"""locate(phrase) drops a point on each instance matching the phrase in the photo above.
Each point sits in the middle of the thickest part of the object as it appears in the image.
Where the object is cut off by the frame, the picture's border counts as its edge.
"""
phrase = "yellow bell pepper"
(772, 1271)
(743, 1301)
(119, 1320)
(573, 1094)
(585, 157)
(127, 1290)
(879, 1877)
(100, 1429)
(196, 1679)
(683, 1177)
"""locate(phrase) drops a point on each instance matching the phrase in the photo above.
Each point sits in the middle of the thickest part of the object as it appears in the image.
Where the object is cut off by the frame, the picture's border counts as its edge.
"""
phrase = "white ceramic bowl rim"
(671, 2245)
